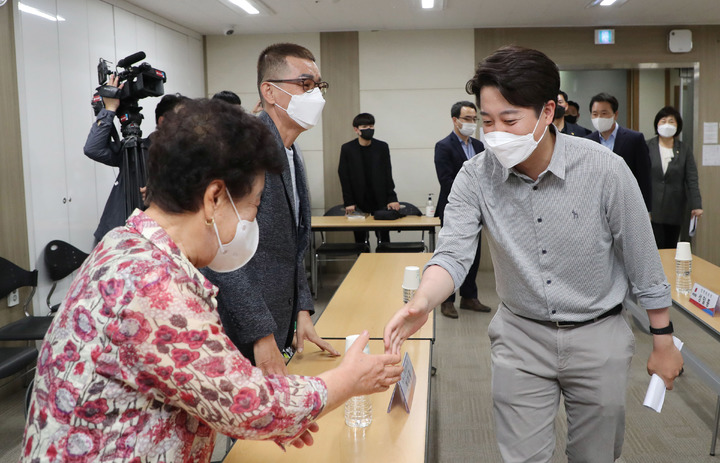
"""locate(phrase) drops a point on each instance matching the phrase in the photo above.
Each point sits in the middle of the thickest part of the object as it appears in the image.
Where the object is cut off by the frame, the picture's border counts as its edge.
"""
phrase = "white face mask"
(468, 129)
(667, 130)
(306, 108)
(603, 124)
(511, 149)
(240, 249)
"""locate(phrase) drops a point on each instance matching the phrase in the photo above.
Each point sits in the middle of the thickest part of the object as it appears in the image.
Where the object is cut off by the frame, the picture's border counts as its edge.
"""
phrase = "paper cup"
(349, 340)
(411, 280)
(683, 251)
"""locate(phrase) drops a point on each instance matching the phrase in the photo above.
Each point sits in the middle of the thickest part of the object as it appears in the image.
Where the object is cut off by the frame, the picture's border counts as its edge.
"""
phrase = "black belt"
(562, 324)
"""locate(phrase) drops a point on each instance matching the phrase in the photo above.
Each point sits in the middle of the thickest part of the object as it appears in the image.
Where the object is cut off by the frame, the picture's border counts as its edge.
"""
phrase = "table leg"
(715, 429)
(432, 240)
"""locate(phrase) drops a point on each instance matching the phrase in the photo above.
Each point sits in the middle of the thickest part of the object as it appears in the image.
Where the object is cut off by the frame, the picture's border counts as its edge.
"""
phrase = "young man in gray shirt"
(569, 232)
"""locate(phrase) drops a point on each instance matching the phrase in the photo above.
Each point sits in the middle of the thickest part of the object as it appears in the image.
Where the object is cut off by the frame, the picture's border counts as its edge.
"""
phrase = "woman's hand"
(268, 357)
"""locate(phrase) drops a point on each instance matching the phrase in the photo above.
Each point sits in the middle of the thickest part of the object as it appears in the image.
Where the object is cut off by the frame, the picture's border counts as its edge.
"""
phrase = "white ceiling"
(212, 17)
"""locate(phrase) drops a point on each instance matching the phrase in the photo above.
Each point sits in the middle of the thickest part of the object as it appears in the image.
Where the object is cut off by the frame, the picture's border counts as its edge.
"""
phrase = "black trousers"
(381, 235)
(666, 235)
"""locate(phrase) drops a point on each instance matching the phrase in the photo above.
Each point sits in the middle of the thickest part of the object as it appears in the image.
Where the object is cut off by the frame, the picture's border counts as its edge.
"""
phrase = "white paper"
(693, 226)
(710, 133)
(655, 395)
(711, 155)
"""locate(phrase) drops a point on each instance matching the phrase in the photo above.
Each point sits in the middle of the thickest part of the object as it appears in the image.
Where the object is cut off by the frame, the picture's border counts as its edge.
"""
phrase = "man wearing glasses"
(261, 303)
(450, 154)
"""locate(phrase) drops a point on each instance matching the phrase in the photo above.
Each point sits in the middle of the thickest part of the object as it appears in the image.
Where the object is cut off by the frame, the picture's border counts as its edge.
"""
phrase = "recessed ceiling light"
(428, 3)
(614, 3)
(34, 11)
(245, 5)
(607, 2)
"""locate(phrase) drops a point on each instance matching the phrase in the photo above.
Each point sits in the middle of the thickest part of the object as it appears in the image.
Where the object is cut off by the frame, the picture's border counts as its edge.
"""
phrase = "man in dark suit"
(628, 144)
(563, 124)
(450, 154)
(260, 303)
(572, 114)
(366, 174)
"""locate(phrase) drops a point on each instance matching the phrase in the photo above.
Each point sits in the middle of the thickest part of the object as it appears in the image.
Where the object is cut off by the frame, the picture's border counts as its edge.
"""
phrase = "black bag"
(387, 214)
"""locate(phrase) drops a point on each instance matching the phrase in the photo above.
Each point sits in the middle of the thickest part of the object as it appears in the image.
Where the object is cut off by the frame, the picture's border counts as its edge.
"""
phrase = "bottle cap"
(411, 279)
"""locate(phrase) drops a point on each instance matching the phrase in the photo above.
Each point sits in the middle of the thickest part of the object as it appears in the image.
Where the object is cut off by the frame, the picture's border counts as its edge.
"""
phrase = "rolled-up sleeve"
(633, 239)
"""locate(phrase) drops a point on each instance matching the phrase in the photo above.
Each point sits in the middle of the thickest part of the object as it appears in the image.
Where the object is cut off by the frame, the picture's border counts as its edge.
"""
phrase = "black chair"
(16, 359)
(404, 246)
(61, 259)
(29, 327)
(335, 251)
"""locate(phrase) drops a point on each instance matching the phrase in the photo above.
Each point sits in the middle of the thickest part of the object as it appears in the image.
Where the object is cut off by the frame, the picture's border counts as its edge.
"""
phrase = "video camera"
(140, 81)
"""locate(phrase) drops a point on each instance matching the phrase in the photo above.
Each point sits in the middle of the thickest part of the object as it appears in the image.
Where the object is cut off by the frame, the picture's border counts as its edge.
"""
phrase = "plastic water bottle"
(683, 268)
(430, 207)
(683, 281)
(358, 410)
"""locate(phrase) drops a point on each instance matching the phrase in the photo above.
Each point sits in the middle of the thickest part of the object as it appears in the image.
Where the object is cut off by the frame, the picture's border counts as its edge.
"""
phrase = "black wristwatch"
(667, 330)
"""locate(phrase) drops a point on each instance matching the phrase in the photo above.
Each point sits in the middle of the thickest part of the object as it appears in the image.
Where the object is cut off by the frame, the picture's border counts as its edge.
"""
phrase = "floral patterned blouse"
(136, 365)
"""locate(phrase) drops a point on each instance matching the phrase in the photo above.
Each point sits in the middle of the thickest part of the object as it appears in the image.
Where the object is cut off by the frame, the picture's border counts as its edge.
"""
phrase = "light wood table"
(396, 437)
(408, 223)
(370, 294)
(342, 223)
(704, 273)
(708, 275)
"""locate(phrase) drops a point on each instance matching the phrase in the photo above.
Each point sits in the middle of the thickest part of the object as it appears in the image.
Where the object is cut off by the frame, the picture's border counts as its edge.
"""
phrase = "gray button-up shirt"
(564, 247)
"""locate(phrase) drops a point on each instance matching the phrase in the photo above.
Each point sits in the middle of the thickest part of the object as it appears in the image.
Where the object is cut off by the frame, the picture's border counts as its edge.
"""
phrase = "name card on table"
(704, 299)
(406, 385)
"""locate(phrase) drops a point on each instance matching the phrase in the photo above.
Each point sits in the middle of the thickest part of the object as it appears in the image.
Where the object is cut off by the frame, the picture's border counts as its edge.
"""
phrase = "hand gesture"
(306, 332)
(268, 357)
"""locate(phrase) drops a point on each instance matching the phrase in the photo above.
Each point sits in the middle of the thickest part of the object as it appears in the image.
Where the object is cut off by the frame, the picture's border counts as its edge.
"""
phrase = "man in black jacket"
(628, 144)
(450, 154)
(366, 174)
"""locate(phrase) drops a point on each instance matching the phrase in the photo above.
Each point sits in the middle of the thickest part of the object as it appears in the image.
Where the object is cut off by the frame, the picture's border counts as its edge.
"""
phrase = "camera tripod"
(135, 172)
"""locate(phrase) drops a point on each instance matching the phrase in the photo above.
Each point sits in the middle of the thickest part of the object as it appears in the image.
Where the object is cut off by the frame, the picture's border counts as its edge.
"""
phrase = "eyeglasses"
(468, 119)
(307, 84)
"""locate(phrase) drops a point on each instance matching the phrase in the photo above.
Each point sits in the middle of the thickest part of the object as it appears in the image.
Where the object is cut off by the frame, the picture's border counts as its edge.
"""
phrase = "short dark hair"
(363, 119)
(565, 97)
(457, 107)
(524, 77)
(606, 97)
(168, 103)
(206, 140)
(574, 105)
(272, 61)
(227, 96)
(669, 111)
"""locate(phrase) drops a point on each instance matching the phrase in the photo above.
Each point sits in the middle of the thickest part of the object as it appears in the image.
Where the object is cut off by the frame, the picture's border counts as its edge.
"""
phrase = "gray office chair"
(404, 246)
(332, 252)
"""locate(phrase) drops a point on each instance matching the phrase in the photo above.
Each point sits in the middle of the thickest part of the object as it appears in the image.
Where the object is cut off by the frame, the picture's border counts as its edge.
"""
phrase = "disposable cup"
(349, 340)
(683, 251)
(411, 279)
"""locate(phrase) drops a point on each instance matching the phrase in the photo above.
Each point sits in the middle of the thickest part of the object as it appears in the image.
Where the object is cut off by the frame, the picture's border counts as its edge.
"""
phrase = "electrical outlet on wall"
(13, 298)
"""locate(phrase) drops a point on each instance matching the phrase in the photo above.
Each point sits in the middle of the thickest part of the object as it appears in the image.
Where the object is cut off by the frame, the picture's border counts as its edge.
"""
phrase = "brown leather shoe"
(473, 304)
(448, 309)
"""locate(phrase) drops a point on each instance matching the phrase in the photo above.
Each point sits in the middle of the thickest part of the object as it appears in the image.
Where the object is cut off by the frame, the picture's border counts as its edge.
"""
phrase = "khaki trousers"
(533, 363)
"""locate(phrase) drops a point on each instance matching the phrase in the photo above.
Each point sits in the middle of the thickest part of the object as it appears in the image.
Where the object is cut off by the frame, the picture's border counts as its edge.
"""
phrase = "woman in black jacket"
(674, 179)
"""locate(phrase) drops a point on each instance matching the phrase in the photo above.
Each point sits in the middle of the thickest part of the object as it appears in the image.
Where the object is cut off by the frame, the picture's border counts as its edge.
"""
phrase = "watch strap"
(667, 330)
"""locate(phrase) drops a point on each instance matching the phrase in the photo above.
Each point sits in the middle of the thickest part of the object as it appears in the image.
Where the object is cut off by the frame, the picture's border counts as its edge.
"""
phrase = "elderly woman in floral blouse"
(136, 365)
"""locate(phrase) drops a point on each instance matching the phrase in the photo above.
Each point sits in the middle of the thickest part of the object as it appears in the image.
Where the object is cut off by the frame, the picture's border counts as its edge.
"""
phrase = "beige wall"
(13, 223)
(573, 48)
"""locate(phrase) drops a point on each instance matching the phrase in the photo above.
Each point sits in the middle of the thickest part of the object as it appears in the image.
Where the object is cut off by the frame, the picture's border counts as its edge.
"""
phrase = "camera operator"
(103, 145)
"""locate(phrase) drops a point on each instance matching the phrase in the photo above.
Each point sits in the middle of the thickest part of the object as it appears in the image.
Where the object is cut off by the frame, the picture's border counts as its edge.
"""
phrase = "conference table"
(343, 223)
(707, 275)
(396, 436)
(368, 296)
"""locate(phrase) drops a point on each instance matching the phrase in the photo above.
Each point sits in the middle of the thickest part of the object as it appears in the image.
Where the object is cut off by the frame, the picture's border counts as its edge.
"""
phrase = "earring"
(210, 222)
